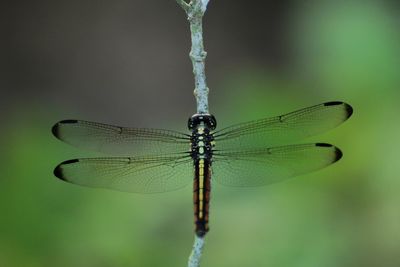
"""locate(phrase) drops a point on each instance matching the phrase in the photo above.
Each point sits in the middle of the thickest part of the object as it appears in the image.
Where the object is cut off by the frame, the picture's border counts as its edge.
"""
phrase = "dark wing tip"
(56, 128)
(349, 110)
(68, 121)
(323, 145)
(58, 171)
(333, 103)
(347, 107)
(338, 154)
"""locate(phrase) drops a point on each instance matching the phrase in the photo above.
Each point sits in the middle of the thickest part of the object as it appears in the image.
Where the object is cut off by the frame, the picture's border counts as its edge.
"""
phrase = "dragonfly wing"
(271, 165)
(285, 128)
(138, 175)
(120, 141)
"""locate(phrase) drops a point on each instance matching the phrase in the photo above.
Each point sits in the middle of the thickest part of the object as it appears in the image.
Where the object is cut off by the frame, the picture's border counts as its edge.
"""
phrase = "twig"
(195, 11)
(195, 256)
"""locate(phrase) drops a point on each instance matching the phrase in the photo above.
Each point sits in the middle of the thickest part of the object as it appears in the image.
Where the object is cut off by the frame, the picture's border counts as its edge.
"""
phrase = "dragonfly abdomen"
(201, 196)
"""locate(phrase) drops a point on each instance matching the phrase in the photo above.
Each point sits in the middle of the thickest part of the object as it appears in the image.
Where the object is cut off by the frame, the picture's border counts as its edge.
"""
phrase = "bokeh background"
(126, 63)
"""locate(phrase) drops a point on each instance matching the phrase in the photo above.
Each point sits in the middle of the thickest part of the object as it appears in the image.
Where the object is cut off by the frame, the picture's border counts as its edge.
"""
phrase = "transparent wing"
(271, 165)
(120, 141)
(138, 175)
(282, 129)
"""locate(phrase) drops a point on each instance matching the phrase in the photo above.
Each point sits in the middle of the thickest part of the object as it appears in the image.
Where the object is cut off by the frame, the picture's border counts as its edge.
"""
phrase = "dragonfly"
(254, 153)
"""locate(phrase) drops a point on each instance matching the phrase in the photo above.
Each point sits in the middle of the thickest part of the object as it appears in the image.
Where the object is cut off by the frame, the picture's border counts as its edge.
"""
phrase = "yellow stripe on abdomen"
(201, 187)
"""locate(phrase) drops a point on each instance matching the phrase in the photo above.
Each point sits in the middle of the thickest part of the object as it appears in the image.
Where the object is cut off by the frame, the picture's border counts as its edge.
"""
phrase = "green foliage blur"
(345, 215)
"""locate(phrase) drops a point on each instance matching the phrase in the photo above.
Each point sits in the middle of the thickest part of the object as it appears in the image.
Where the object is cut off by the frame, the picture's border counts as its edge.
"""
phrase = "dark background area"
(126, 63)
(100, 57)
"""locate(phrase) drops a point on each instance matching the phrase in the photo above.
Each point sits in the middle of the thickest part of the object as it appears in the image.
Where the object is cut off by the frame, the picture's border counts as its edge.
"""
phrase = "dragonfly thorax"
(202, 140)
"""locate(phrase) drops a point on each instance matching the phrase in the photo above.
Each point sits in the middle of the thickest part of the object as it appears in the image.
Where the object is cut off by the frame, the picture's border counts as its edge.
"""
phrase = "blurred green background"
(126, 63)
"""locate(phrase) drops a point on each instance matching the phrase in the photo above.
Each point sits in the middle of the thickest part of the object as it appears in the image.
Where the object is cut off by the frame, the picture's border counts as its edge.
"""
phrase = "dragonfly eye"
(192, 122)
(212, 122)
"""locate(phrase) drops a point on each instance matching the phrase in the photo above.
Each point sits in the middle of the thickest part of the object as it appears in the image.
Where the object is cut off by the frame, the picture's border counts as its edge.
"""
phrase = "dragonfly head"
(207, 119)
